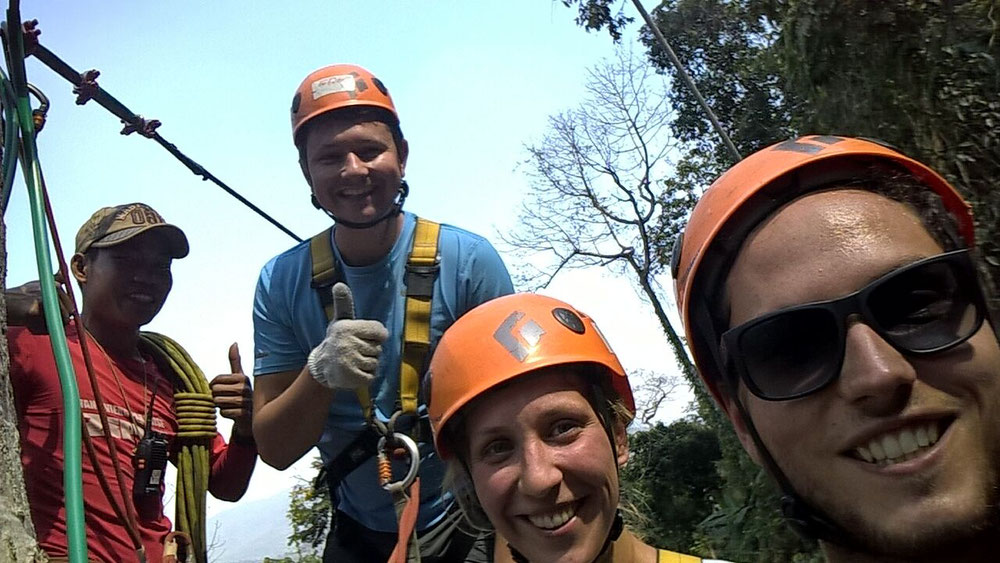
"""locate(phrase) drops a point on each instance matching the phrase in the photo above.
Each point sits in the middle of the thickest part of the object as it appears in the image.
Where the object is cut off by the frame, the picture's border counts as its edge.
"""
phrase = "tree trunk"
(17, 534)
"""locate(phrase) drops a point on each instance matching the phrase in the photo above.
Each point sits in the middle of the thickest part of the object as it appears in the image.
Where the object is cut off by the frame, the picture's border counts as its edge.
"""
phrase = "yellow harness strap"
(664, 556)
(421, 271)
(324, 268)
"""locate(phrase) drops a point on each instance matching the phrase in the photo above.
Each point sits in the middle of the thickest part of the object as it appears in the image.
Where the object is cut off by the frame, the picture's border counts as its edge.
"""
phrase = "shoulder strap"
(421, 271)
(324, 269)
(324, 274)
(664, 556)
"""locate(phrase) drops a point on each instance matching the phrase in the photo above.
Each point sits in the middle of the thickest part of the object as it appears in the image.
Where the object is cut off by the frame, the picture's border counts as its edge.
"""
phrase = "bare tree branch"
(599, 190)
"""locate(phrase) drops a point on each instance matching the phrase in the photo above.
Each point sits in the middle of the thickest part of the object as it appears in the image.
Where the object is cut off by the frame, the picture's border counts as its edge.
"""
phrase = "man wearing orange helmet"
(529, 407)
(344, 323)
(831, 299)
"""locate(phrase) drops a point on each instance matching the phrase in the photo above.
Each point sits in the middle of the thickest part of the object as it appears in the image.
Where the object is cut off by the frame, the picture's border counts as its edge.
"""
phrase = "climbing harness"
(421, 270)
(405, 494)
(381, 438)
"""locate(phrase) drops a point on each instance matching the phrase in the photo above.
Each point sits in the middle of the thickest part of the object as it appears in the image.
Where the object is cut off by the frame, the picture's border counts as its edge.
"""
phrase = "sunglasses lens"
(926, 309)
(791, 354)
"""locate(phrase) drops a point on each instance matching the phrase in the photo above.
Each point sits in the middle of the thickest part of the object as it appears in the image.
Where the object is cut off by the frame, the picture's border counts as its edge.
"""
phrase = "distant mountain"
(250, 531)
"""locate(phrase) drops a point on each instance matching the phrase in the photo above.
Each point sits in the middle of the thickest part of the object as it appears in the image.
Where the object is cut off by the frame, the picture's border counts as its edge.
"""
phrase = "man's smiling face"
(902, 451)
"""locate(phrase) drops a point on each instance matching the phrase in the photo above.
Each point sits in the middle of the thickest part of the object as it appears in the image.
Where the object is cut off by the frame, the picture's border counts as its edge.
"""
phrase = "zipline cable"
(86, 87)
(687, 80)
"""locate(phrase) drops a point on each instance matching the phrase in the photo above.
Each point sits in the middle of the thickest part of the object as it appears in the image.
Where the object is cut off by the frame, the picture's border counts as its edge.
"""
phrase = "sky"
(473, 82)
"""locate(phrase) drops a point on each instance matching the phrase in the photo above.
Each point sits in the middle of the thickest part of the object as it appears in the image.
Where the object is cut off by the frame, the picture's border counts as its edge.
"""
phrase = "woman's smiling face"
(543, 467)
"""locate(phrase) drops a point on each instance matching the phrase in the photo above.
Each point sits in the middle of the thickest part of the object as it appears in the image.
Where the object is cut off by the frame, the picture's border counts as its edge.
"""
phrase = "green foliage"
(670, 481)
(920, 75)
(746, 523)
(594, 15)
(309, 514)
(676, 476)
(730, 51)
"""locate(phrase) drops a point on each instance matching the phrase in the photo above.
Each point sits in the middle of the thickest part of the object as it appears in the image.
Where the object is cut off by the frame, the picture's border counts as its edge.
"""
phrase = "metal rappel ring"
(411, 449)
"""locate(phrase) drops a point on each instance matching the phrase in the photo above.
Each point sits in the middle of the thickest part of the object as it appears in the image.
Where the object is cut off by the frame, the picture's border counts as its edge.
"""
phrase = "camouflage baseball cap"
(109, 226)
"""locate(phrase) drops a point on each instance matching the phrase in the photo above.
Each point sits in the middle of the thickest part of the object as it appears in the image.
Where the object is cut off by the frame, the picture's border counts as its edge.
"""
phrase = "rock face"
(17, 533)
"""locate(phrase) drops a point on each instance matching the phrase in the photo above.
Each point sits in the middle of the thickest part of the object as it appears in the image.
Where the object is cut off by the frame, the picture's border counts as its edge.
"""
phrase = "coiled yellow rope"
(195, 413)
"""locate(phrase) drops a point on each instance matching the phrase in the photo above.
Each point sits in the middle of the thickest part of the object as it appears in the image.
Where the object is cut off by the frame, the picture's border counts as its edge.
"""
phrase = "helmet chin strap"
(807, 520)
(395, 209)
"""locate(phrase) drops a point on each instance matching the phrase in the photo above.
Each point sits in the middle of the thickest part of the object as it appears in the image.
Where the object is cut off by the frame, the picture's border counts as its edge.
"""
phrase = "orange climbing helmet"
(508, 337)
(749, 192)
(335, 87)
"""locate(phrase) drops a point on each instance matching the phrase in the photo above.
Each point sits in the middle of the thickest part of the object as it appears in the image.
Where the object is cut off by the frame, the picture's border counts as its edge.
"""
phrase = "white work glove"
(348, 357)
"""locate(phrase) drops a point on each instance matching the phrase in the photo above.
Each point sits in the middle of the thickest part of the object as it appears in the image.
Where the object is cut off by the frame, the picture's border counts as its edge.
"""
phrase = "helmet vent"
(569, 319)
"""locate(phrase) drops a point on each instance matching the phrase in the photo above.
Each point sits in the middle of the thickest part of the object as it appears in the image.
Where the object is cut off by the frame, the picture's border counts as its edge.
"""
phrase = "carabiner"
(411, 448)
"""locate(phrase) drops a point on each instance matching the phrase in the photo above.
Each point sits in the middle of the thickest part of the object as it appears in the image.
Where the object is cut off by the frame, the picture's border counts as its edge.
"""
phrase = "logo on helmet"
(798, 145)
(349, 84)
(530, 334)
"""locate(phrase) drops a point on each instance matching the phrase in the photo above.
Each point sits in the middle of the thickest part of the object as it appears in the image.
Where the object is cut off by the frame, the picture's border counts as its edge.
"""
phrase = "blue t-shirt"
(289, 322)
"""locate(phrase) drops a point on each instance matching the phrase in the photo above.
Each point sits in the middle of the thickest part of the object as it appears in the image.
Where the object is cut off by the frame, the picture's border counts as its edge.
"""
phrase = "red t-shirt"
(126, 387)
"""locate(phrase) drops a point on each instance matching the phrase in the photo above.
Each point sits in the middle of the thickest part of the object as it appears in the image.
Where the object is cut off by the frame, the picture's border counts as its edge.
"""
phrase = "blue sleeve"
(275, 346)
(485, 276)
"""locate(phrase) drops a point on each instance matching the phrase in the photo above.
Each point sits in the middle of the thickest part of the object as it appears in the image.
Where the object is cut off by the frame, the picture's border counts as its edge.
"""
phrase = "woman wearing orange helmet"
(529, 405)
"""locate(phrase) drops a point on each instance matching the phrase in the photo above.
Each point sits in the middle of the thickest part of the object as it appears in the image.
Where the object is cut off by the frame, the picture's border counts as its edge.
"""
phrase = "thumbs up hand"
(348, 357)
(233, 395)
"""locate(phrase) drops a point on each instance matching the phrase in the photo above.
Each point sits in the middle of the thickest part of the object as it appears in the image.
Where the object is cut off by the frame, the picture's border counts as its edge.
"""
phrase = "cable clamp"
(87, 88)
(145, 127)
(30, 33)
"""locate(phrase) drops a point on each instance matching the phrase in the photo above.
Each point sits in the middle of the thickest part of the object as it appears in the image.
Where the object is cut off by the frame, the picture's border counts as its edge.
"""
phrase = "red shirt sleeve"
(232, 467)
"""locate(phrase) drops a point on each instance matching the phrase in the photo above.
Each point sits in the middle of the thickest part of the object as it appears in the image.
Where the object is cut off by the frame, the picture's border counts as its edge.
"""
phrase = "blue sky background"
(472, 81)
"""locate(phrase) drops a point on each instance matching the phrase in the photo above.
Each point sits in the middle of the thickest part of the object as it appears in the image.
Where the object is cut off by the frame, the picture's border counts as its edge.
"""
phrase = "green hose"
(9, 140)
(72, 437)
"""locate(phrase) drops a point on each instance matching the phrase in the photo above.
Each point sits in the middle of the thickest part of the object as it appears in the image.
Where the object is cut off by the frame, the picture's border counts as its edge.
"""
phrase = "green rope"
(195, 411)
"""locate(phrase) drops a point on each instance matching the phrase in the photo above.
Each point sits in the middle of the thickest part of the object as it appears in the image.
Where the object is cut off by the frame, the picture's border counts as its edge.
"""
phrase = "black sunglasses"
(922, 308)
